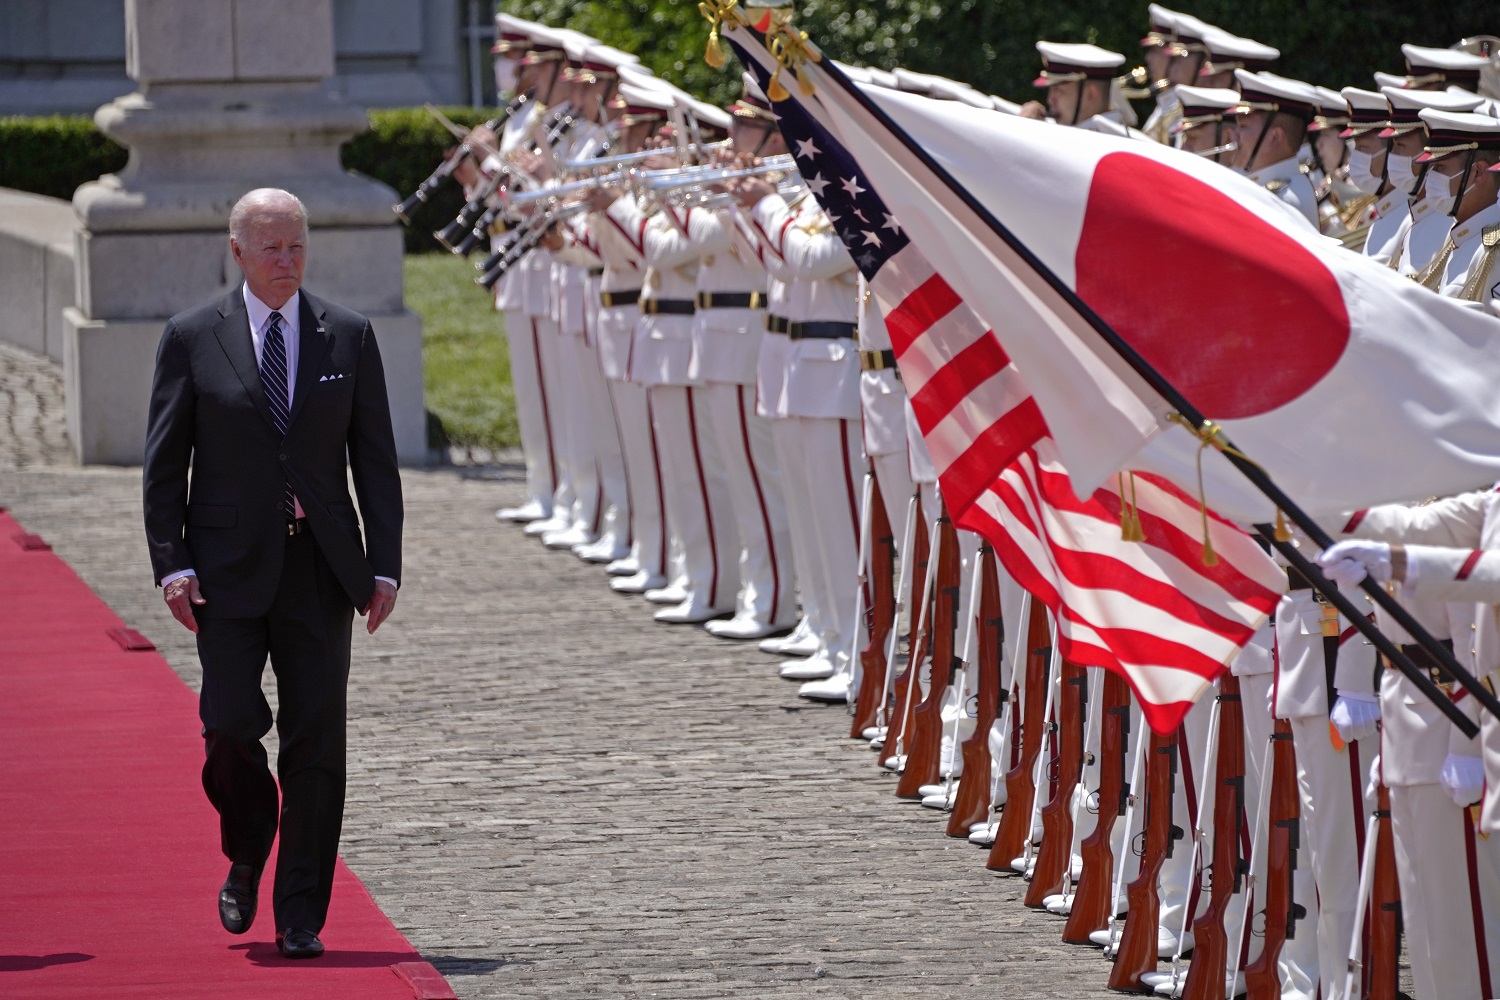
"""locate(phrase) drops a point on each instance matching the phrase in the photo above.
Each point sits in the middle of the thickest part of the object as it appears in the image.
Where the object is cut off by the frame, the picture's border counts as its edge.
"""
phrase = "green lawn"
(469, 396)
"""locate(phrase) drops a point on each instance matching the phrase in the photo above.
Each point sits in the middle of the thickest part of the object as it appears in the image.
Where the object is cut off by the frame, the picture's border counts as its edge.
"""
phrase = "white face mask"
(1439, 190)
(1360, 174)
(1398, 170)
(506, 73)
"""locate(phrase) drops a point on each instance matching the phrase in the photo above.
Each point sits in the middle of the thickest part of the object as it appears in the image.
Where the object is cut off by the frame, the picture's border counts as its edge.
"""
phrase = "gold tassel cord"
(1137, 530)
(791, 50)
(1130, 513)
(1211, 434)
(716, 12)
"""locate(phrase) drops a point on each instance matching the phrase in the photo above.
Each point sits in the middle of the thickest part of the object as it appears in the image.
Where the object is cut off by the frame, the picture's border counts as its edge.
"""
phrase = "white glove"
(1463, 777)
(1354, 715)
(1347, 563)
(1374, 785)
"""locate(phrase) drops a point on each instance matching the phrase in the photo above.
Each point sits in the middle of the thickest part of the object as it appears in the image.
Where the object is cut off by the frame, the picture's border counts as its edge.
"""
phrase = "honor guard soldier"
(638, 111)
(1461, 151)
(731, 313)
(535, 66)
(1374, 231)
(1227, 53)
(694, 486)
(1442, 69)
(1274, 114)
(1449, 875)
(1203, 126)
(818, 406)
(1426, 229)
(1082, 88)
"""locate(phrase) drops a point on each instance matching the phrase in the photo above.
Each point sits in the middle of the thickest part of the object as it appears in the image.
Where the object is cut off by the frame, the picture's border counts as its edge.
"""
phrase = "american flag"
(1150, 610)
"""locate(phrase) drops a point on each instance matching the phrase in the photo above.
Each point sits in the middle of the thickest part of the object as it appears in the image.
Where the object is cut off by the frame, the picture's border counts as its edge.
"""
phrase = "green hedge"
(401, 149)
(54, 155)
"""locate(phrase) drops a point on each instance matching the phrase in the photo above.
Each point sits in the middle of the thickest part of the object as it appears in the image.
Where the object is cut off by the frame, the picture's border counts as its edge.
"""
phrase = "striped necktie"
(273, 378)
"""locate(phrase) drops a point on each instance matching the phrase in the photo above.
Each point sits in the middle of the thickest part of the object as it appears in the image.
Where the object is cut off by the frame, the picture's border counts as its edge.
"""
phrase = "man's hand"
(181, 594)
(601, 198)
(750, 190)
(380, 606)
(1035, 110)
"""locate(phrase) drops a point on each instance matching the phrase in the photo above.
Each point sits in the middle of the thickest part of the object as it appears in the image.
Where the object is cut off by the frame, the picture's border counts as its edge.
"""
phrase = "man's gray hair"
(263, 200)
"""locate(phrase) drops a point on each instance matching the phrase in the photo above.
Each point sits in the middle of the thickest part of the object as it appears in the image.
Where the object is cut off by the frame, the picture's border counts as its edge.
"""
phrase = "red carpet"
(109, 861)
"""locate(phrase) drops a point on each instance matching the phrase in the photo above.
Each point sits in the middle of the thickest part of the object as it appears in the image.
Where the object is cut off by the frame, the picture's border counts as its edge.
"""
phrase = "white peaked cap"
(917, 83)
(608, 55)
(1384, 80)
(1440, 59)
(637, 95)
(1225, 47)
(1065, 62)
(707, 114)
(1402, 99)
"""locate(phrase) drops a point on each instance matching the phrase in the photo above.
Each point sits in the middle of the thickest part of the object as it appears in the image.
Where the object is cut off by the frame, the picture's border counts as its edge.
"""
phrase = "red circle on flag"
(1236, 314)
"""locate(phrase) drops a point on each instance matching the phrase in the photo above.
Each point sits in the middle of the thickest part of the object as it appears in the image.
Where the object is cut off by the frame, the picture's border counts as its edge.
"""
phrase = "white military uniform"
(523, 340)
(726, 348)
(694, 486)
(1450, 877)
(620, 286)
(818, 404)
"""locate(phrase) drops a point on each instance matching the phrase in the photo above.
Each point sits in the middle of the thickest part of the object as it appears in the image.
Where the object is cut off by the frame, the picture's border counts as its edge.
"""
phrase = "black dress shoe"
(238, 898)
(296, 943)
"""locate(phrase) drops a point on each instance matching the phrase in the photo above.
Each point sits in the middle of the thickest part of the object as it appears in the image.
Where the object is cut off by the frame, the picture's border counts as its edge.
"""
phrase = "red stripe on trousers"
(765, 515)
(849, 488)
(708, 514)
(1476, 906)
(541, 385)
(1190, 789)
(661, 501)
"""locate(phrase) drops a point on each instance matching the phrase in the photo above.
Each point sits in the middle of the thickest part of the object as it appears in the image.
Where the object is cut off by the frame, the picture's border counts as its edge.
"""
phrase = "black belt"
(596, 272)
(822, 330)
(609, 300)
(1426, 661)
(731, 300)
(667, 307)
(878, 361)
(1296, 581)
(296, 527)
(777, 324)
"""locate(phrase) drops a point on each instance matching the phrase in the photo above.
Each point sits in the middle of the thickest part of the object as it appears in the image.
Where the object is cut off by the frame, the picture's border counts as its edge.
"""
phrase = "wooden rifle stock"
(1020, 788)
(972, 803)
(920, 556)
(1052, 860)
(1091, 900)
(1210, 967)
(924, 748)
(1382, 958)
(1137, 951)
(880, 617)
(1262, 981)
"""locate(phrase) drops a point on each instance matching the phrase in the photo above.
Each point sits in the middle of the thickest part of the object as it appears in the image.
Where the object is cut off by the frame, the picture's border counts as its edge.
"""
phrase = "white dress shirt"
(259, 315)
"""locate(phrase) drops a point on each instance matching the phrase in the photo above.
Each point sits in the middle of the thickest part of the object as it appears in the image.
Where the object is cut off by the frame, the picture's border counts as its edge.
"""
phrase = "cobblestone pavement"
(33, 430)
(553, 796)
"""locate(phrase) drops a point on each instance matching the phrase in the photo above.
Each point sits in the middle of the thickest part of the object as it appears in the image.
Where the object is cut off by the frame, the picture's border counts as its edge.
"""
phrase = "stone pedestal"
(233, 96)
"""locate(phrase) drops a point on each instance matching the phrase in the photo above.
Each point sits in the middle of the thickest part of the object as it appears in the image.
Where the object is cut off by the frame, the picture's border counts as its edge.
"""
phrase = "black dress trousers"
(306, 635)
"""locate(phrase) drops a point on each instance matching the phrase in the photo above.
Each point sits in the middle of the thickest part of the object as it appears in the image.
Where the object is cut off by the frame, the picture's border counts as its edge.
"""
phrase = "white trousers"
(696, 494)
(1449, 883)
(530, 388)
(648, 538)
(1331, 784)
(799, 504)
(604, 435)
(575, 413)
(826, 456)
(753, 475)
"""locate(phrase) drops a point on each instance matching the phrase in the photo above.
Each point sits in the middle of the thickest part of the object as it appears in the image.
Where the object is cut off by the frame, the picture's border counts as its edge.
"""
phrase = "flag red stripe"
(920, 311)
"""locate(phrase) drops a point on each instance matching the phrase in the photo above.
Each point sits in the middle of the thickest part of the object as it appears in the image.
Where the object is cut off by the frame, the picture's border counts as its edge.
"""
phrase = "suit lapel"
(312, 346)
(233, 333)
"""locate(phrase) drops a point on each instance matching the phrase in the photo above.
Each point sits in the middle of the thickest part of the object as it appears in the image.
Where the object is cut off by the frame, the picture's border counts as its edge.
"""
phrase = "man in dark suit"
(269, 399)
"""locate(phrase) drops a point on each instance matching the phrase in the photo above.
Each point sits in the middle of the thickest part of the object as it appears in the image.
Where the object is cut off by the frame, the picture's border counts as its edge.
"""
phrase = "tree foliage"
(991, 43)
